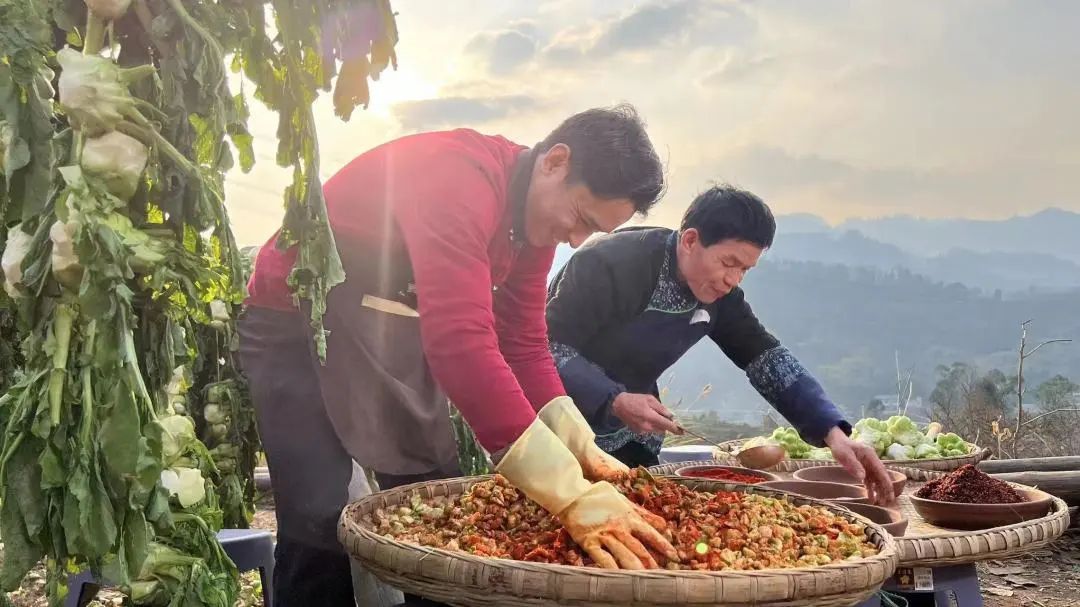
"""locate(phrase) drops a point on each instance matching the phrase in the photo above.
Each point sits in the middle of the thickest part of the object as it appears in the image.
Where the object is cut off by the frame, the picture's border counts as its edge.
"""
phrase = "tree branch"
(1042, 415)
(1051, 341)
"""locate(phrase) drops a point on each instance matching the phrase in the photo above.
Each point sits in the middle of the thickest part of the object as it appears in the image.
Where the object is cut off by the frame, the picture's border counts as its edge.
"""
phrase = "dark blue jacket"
(618, 316)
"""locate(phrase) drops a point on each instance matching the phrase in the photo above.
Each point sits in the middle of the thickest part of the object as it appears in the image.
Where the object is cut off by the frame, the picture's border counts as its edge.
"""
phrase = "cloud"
(738, 67)
(831, 187)
(503, 51)
(648, 27)
(458, 111)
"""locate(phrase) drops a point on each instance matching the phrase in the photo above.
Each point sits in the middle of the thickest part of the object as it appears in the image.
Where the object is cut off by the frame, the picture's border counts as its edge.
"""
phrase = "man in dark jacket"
(628, 305)
(446, 239)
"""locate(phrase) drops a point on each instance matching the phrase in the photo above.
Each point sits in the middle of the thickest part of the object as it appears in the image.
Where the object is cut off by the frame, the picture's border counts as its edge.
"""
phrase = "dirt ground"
(1045, 578)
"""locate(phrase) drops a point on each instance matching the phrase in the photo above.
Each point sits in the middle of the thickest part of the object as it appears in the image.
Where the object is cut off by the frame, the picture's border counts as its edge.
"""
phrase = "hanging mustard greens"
(126, 435)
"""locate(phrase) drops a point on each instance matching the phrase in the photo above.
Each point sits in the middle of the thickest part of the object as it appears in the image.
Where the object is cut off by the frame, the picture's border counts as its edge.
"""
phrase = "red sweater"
(439, 202)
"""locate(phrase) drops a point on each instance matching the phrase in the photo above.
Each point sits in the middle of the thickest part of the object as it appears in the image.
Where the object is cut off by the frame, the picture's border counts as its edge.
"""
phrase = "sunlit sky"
(965, 108)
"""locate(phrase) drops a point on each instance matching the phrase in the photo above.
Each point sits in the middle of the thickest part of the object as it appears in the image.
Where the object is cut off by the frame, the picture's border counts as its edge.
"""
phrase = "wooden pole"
(1033, 464)
(1065, 485)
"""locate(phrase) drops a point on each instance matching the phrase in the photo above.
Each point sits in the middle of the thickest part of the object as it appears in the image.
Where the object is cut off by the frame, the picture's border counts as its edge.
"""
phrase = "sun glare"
(396, 87)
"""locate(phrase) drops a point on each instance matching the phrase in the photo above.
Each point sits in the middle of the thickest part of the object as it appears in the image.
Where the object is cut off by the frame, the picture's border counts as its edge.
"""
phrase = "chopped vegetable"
(711, 530)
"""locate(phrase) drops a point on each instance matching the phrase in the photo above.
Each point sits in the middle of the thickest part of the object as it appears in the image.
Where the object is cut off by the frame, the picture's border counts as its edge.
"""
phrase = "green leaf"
(117, 432)
(52, 468)
(136, 537)
(21, 552)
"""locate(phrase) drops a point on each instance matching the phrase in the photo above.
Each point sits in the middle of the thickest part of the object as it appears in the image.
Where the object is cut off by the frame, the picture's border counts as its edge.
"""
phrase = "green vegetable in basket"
(927, 451)
(793, 444)
(872, 432)
(899, 452)
(759, 441)
(820, 453)
(951, 445)
(903, 431)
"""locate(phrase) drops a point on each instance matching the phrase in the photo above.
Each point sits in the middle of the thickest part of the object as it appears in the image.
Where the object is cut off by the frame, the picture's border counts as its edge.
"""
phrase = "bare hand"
(644, 414)
(860, 460)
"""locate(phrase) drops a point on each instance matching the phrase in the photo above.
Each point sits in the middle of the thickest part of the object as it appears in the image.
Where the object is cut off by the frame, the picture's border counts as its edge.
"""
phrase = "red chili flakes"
(969, 485)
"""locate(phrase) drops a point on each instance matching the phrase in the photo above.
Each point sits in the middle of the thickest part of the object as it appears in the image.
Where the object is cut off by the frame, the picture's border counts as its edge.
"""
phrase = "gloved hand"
(607, 526)
(566, 421)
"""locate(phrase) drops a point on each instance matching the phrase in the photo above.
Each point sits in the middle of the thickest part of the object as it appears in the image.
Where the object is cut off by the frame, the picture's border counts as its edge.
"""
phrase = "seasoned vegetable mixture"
(712, 531)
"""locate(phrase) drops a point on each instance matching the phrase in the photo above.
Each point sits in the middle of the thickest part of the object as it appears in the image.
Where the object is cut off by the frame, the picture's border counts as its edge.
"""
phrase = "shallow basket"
(462, 579)
(927, 545)
(941, 464)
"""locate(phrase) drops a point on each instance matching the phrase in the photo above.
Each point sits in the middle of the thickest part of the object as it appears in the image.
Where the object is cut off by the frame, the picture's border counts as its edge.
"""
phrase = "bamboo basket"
(941, 464)
(927, 545)
(459, 578)
(938, 547)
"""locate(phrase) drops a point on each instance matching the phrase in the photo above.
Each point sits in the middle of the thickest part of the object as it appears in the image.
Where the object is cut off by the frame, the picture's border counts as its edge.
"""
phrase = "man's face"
(712, 272)
(560, 212)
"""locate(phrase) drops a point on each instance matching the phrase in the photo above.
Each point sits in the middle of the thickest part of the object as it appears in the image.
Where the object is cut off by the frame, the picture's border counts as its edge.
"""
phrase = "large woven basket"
(942, 464)
(462, 579)
(937, 547)
(926, 545)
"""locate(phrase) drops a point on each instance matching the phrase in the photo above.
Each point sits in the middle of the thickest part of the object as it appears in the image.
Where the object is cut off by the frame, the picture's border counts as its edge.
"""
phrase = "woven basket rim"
(888, 550)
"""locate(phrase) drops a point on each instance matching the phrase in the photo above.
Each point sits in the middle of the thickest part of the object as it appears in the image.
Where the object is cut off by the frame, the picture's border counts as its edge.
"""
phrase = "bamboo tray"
(941, 464)
(927, 545)
(465, 580)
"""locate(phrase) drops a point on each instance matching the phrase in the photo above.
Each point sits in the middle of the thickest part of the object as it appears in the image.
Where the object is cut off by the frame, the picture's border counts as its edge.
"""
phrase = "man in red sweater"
(446, 239)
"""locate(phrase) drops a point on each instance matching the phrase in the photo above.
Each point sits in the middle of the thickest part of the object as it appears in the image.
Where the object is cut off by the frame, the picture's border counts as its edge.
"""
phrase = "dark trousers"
(635, 454)
(309, 469)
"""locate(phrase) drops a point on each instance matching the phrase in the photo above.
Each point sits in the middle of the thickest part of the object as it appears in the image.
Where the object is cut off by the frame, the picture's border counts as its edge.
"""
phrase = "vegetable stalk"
(63, 319)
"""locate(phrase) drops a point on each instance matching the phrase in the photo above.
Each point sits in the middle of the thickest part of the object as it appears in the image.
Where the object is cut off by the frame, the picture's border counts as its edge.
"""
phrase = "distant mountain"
(1049, 232)
(801, 223)
(987, 270)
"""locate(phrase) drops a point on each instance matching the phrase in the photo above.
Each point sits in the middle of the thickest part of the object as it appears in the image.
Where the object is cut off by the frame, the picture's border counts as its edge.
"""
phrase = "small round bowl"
(837, 492)
(702, 471)
(970, 517)
(837, 474)
(891, 520)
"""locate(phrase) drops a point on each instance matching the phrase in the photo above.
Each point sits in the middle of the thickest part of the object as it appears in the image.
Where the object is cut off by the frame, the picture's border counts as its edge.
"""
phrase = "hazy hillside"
(986, 270)
(1051, 232)
(847, 324)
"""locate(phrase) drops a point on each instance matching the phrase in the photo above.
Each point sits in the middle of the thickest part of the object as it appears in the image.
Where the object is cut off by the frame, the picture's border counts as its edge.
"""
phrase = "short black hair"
(725, 212)
(611, 154)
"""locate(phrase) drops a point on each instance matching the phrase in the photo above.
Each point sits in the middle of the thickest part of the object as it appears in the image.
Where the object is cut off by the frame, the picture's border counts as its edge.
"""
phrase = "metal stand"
(955, 586)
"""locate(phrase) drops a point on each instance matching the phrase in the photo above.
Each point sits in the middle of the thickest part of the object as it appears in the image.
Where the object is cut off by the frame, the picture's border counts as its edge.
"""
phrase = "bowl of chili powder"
(731, 474)
(970, 499)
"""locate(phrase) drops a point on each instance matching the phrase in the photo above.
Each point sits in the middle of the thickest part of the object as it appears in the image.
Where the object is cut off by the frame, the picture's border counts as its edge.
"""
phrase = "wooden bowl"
(702, 470)
(891, 520)
(833, 492)
(761, 456)
(837, 474)
(969, 517)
